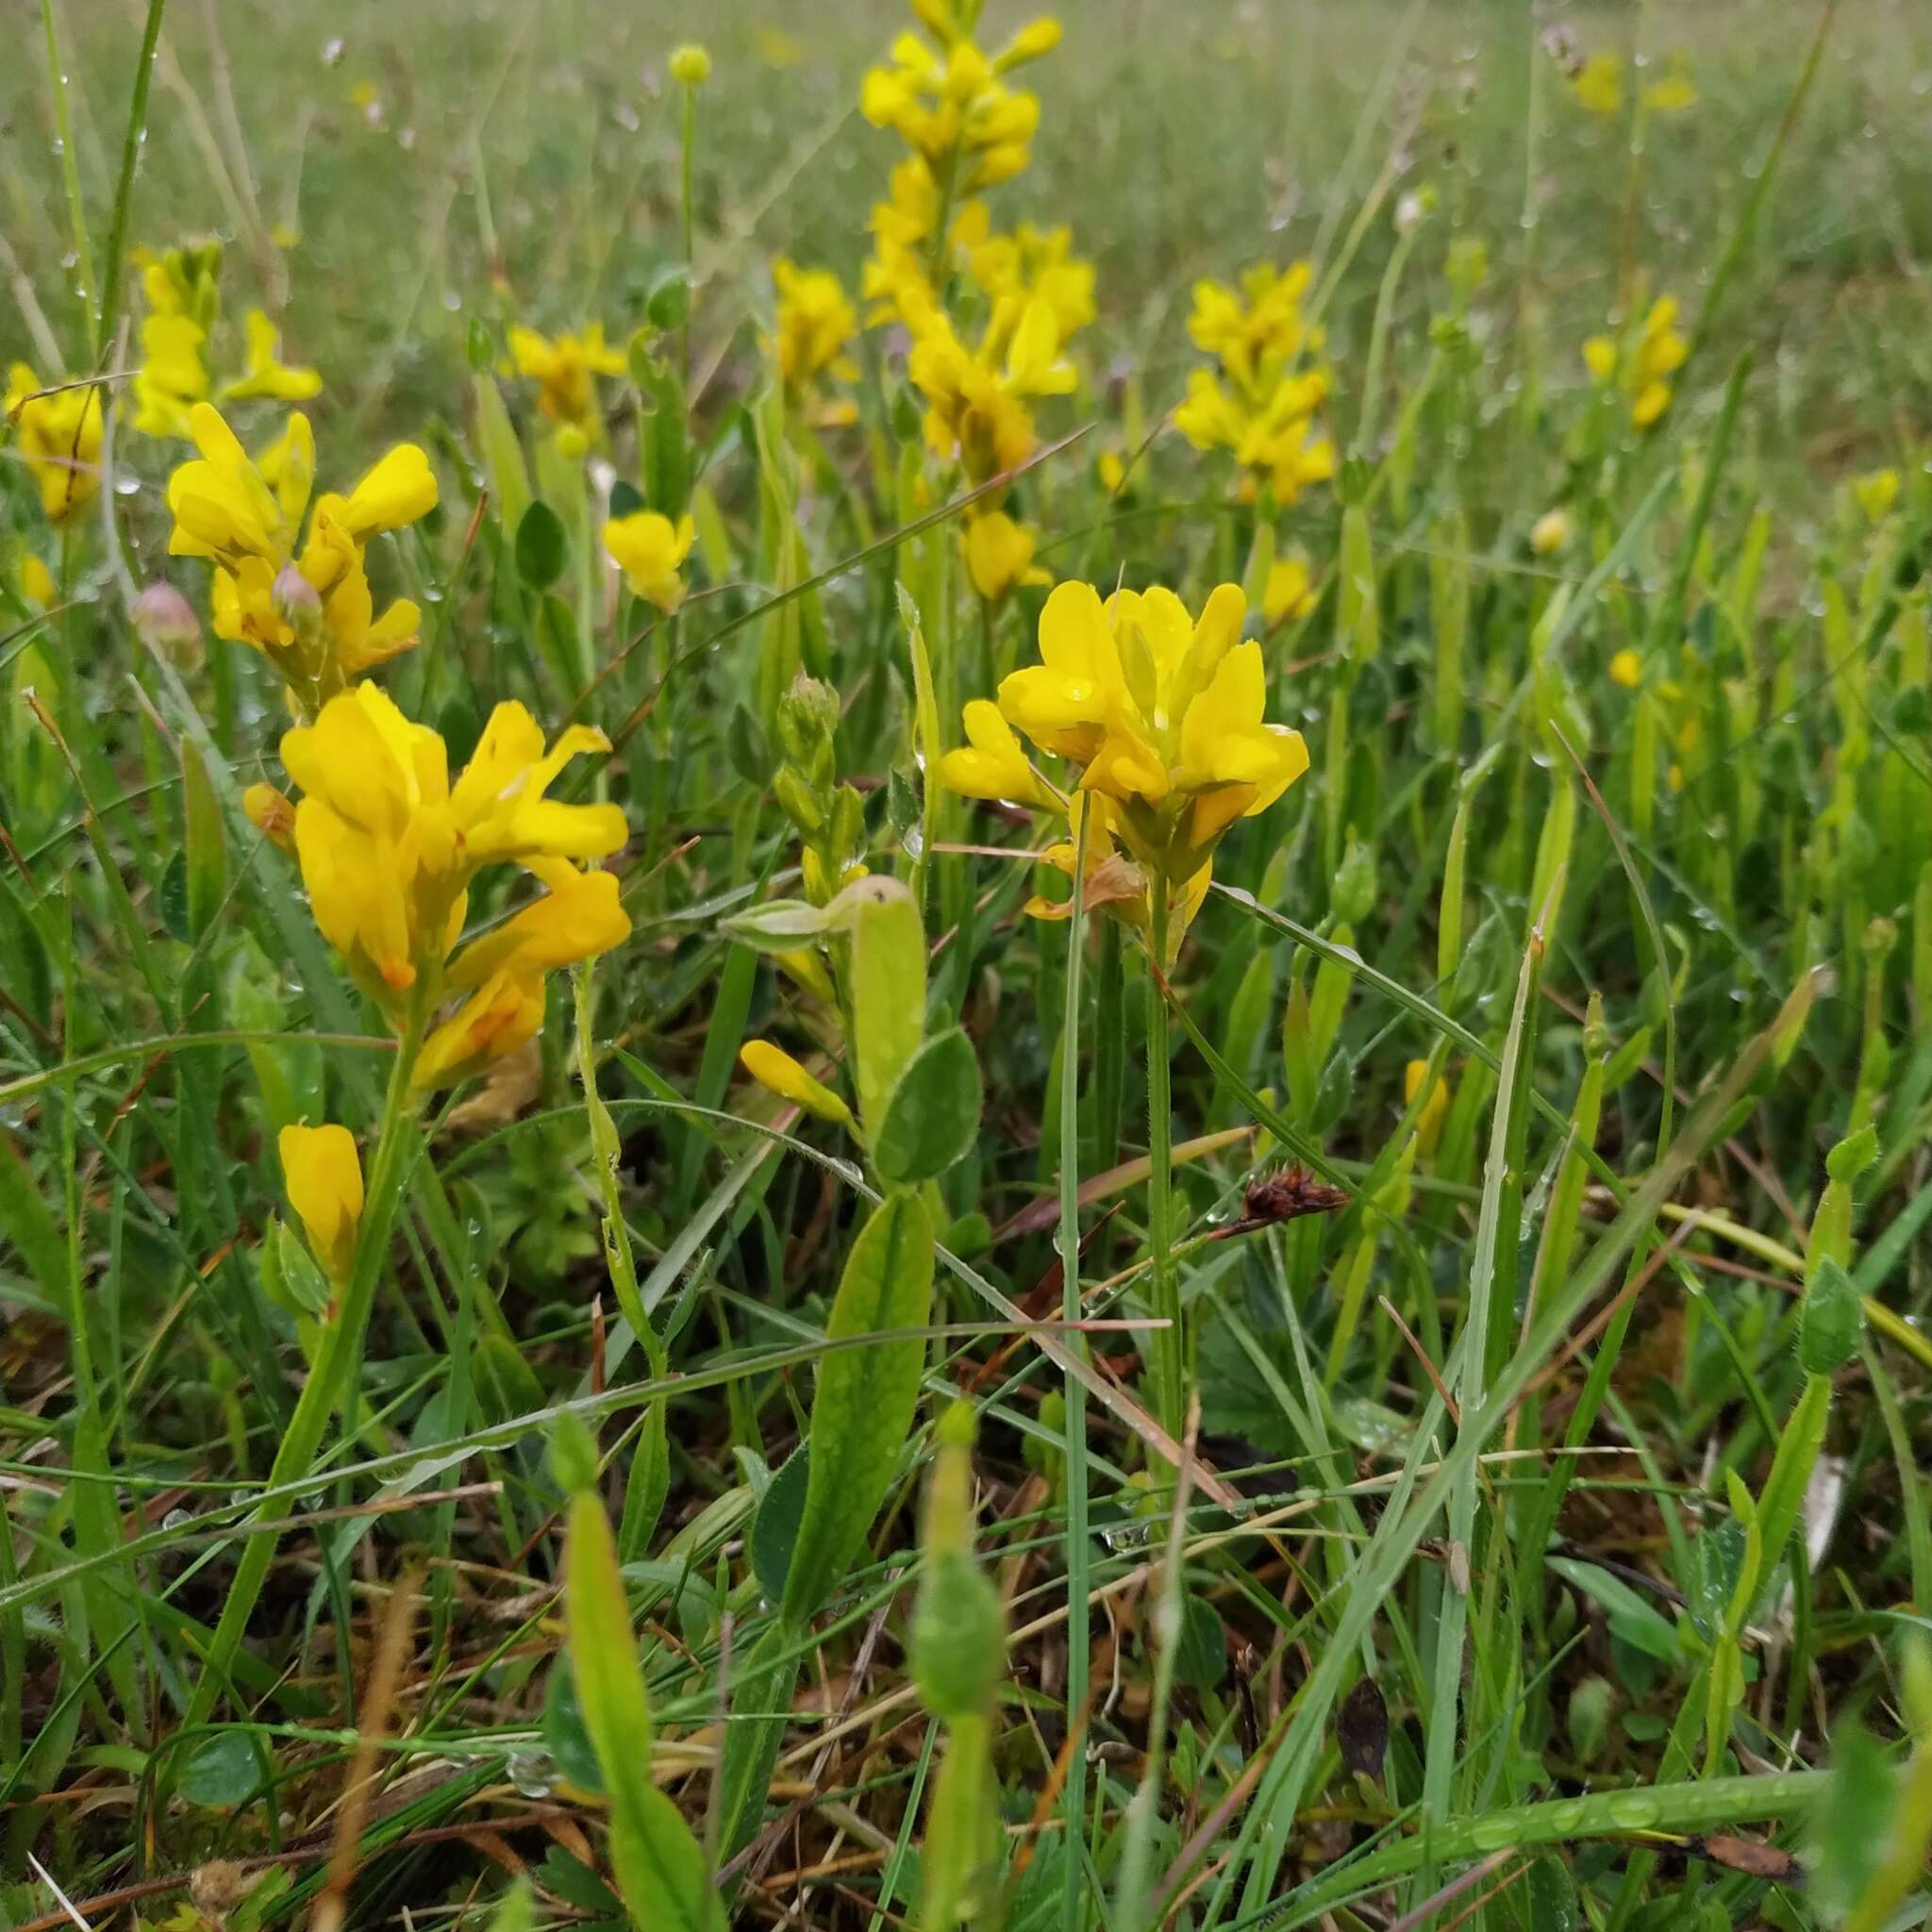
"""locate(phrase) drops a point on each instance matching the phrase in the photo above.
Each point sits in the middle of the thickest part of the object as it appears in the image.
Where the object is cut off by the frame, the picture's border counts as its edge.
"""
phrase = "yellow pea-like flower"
(815, 325)
(992, 765)
(564, 368)
(1626, 668)
(388, 845)
(246, 514)
(650, 549)
(172, 375)
(772, 1068)
(999, 555)
(1289, 593)
(265, 373)
(58, 435)
(322, 1174)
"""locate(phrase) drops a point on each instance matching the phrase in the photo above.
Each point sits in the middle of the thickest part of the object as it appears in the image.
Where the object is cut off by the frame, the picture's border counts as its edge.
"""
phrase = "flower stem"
(1168, 1355)
(338, 1355)
(70, 168)
(1073, 1796)
(124, 188)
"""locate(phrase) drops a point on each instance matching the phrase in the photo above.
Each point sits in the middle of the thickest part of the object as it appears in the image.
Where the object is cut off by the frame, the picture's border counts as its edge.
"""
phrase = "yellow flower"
(1288, 593)
(999, 555)
(1262, 404)
(1598, 84)
(389, 846)
(691, 65)
(1626, 668)
(1645, 365)
(324, 1178)
(1163, 714)
(776, 48)
(246, 517)
(1029, 265)
(1672, 92)
(977, 399)
(1112, 471)
(992, 765)
(1428, 1124)
(772, 1067)
(266, 374)
(1552, 532)
(59, 436)
(172, 375)
(816, 320)
(650, 549)
(563, 370)
(1876, 492)
(503, 974)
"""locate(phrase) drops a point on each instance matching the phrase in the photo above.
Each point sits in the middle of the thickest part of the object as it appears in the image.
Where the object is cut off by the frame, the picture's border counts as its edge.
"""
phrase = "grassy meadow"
(966, 971)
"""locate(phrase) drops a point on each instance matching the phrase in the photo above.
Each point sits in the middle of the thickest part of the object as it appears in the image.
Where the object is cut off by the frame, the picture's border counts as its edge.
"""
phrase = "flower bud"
(166, 623)
(1551, 532)
(297, 603)
(691, 65)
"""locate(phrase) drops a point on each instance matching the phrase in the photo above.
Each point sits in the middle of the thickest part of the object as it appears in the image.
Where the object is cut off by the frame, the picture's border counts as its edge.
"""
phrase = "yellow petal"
(772, 1067)
(324, 1177)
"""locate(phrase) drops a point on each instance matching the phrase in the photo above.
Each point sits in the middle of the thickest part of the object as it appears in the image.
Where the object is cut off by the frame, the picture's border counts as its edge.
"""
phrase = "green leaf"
(863, 1407)
(659, 1864)
(1630, 1617)
(774, 1528)
(1832, 1323)
(566, 1735)
(503, 454)
(172, 898)
(781, 925)
(933, 1116)
(542, 546)
(888, 987)
(223, 1773)
(1852, 1827)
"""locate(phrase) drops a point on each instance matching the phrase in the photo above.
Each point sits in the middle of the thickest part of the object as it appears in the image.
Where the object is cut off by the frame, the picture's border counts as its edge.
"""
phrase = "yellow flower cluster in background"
(305, 604)
(1259, 401)
(389, 847)
(183, 291)
(565, 368)
(59, 434)
(815, 327)
(1641, 366)
(934, 246)
(1162, 717)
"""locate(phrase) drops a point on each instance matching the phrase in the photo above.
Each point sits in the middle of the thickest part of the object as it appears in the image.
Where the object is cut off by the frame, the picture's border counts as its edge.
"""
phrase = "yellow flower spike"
(774, 1069)
(59, 437)
(1626, 668)
(1552, 532)
(1288, 593)
(999, 555)
(265, 372)
(991, 765)
(322, 1174)
(1035, 40)
(172, 375)
(1428, 1124)
(650, 549)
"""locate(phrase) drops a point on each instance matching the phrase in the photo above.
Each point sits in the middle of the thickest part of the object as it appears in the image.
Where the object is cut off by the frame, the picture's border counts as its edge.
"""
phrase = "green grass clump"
(619, 1306)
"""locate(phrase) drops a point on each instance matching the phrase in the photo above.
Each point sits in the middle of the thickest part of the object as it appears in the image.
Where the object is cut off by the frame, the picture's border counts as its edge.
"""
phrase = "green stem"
(124, 188)
(1167, 1350)
(337, 1358)
(688, 219)
(1075, 1795)
(70, 170)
